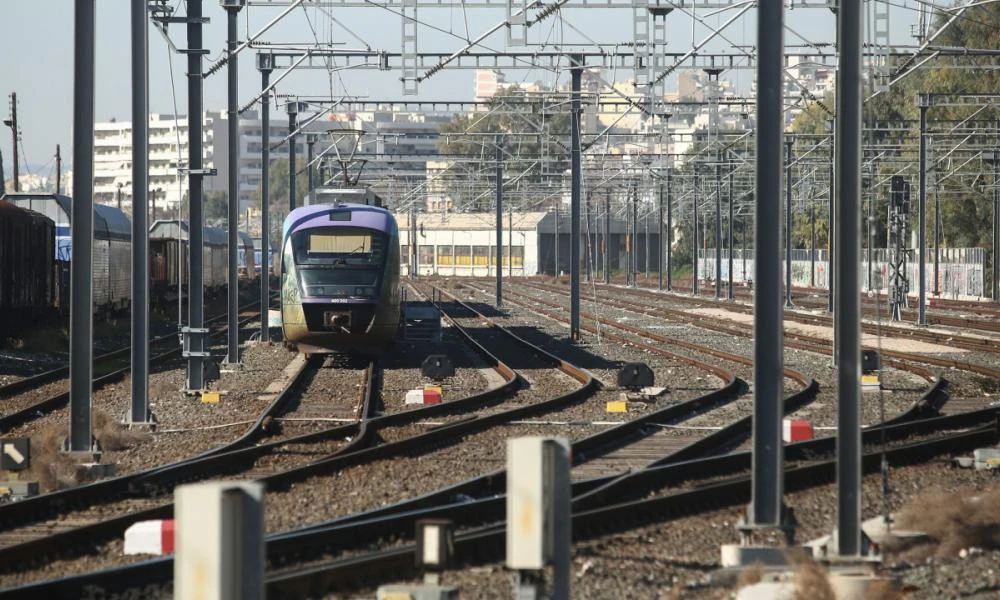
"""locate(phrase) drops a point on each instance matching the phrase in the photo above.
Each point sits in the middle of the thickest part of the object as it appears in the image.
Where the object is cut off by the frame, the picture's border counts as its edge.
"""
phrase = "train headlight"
(366, 292)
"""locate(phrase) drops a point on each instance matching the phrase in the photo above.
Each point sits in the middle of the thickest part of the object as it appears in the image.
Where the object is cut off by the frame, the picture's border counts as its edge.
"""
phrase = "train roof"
(109, 222)
(318, 215)
(12, 210)
(168, 229)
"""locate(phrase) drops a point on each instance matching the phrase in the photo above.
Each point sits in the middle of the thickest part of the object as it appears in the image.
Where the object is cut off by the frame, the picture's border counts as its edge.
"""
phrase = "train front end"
(340, 279)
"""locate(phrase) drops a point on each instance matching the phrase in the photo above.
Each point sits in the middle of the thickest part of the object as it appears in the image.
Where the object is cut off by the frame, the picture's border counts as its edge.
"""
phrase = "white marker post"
(538, 515)
(219, 541)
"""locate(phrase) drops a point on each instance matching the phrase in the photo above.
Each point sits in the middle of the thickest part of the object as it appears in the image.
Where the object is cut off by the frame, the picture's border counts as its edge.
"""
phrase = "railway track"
(816, 299)
(366, 528)
(19, 406)
(523, 411)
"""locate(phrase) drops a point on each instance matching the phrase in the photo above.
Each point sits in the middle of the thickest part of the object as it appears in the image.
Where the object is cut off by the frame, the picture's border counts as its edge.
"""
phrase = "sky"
(36, 41)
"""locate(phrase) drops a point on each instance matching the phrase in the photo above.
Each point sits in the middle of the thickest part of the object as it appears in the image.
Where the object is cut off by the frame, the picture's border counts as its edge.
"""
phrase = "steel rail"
(14, 419)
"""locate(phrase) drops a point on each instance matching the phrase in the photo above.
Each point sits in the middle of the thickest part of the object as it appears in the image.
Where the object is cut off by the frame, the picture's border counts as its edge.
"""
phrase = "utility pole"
(140, 212)
(924, 102)
(293, 111)
(659, 220)
(729, 245)
(58, 172)
(718, 228)
(788, 223)
(499, 224)
(233, 8)
(694, 236)
(12, 123)
(81, 325)
(576, 180)
(607, 236)
(194, 333)
(670, 235)
(265, 64)
(311, 171)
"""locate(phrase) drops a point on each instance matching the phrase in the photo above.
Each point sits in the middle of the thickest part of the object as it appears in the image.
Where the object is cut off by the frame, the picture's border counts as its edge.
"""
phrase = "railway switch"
(437, 367)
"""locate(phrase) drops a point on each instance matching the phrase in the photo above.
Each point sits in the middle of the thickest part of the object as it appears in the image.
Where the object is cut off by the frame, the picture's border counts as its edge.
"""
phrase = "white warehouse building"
(464, 244)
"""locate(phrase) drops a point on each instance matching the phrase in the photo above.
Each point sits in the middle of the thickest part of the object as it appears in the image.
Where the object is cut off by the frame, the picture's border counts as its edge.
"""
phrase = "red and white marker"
(150, 537)
(796, 430)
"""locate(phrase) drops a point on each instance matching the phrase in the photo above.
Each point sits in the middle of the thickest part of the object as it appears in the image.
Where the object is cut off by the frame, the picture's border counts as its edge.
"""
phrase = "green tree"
(528, 130)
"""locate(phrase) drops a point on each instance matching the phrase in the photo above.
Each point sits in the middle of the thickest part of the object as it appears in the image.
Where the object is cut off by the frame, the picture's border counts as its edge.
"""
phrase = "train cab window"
(338, 246)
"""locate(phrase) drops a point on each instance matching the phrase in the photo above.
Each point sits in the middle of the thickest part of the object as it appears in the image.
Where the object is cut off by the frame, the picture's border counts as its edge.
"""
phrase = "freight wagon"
(112, 254)
(27, 274)
(168, 243)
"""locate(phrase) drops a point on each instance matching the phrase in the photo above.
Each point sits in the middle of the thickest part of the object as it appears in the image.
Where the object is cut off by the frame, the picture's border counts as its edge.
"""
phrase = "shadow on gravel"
(565, 349)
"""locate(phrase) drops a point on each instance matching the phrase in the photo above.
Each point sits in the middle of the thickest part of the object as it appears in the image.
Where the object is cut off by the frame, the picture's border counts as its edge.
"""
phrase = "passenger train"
(340, 278)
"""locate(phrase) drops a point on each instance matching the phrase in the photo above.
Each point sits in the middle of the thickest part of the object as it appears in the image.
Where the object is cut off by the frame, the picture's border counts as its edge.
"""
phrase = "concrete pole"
(923, 101)
(196, 299)
(81, 325)
(499, 232)
(812, 242)
(848, 300)
(233, 297)
(788, 223)
(576, 180)
(265, 64)
(768, 450)
(140, 214)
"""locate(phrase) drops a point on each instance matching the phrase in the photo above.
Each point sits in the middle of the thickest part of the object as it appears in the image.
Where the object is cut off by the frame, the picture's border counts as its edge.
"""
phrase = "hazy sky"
(36, 41)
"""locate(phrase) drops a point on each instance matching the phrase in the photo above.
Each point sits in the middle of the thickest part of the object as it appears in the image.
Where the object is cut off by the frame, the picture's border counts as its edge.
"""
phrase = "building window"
(444, 255)
(426, 254)
(463, 256)
(480, 255)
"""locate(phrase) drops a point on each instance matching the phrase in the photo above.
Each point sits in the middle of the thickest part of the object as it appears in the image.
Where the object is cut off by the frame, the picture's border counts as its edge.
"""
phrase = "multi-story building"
(168, 157)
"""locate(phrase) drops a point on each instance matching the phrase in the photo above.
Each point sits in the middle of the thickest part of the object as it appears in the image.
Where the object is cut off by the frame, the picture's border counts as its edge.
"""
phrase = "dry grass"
(112, 436)
(55, 470)
(953, 521)
(750, 575)
(811, 582)
(883, 590)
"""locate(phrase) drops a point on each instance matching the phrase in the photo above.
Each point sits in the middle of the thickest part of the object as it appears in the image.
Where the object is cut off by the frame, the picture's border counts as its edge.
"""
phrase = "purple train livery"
(340, 278)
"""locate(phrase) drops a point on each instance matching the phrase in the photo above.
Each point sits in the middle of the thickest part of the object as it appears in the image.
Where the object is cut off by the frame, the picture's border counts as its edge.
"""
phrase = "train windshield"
(339, 246)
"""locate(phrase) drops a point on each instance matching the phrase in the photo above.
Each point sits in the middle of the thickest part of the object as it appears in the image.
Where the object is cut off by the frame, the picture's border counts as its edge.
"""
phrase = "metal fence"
(961, 271)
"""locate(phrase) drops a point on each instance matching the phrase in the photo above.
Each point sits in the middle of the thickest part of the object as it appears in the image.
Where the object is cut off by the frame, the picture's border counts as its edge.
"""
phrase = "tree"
(215, 206)
(527, 128)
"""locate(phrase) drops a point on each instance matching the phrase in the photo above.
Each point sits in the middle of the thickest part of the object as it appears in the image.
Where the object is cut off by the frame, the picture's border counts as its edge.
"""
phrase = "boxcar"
(164, 238)
(27, 266)
(112, 248)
